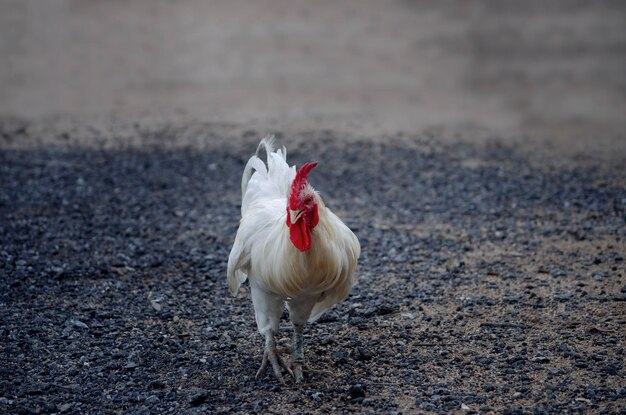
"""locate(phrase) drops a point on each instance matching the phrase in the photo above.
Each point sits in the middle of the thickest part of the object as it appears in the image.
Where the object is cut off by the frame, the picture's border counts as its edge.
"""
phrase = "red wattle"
(300, 235)
(315, 217)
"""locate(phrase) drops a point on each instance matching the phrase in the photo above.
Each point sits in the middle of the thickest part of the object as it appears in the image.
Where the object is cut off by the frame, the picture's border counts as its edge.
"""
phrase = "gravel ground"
(491, 279)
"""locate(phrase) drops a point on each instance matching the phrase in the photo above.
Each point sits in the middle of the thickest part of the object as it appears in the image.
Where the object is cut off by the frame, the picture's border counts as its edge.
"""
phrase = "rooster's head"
(302, 214)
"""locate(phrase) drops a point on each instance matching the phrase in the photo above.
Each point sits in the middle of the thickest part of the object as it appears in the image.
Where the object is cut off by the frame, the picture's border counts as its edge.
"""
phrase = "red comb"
(300, 180)
(303, 173)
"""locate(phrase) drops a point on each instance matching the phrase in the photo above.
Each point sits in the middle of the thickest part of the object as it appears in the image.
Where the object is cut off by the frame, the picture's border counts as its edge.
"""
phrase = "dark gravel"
(488, 282)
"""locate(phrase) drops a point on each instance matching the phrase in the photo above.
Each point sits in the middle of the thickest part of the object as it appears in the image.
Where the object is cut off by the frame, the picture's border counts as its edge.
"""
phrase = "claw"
(271, 356)
(263, 367)
(297, 372)
(284, 365)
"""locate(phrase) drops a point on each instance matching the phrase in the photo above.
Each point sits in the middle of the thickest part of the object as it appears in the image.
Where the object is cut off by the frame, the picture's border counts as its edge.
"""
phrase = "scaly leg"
(299, 312)
(298, 353)
(268, 308)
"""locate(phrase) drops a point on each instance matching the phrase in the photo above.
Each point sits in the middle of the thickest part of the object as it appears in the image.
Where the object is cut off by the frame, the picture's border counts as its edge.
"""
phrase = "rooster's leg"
(267, 309)
(299, 312)
(298, 353)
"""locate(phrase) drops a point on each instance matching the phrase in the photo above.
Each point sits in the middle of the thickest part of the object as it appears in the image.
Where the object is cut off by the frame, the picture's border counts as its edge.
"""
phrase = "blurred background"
(553, 68)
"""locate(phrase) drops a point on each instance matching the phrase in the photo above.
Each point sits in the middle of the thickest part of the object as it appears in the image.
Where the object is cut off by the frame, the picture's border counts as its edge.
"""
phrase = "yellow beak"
(294, 215)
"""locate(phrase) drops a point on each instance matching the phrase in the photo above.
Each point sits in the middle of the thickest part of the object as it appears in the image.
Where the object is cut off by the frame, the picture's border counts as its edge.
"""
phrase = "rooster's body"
(292, 248)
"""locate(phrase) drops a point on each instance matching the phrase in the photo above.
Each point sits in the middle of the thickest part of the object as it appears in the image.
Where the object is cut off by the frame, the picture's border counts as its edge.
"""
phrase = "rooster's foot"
(272, 356)
(297, 371)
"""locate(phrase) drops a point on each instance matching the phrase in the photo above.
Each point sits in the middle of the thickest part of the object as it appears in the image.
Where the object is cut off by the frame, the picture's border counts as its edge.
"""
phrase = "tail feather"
(255, 163)
(267, 142)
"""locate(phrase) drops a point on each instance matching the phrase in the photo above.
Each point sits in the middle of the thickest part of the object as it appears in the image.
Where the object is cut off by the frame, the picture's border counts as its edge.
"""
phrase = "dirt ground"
(477, 150)
(486, 283)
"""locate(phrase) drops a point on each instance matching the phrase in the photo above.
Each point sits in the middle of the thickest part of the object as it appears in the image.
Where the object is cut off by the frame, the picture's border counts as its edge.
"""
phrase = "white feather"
(263, 252)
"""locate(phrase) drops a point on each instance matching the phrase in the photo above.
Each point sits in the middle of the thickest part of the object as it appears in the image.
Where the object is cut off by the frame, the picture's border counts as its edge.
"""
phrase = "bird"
(294, 251)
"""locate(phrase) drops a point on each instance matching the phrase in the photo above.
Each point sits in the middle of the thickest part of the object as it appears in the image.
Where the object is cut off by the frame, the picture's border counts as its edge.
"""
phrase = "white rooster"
(292, 248)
